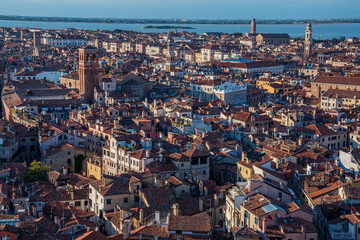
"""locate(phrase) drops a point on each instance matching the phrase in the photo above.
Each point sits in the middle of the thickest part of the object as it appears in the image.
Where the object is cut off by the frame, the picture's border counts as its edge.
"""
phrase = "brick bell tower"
(88, 72)
(170, 56)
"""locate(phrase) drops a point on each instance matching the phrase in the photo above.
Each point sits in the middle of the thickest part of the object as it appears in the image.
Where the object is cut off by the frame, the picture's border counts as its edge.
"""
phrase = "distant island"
(176, 21)
(168, 27)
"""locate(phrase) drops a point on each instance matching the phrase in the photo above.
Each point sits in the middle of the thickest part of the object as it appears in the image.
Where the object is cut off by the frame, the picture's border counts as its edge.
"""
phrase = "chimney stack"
(127, 227)
(303, 232)
(157, 216)
(176, 209)
(201, 204)
(201, 188)
(72, 194)
(141, 216)
(243, 155)
(264, 225)
(216, 200)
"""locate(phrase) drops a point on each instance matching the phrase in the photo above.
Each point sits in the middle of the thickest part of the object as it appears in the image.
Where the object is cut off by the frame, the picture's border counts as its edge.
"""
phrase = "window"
(77, 204)
(125, 200)
(108, 201)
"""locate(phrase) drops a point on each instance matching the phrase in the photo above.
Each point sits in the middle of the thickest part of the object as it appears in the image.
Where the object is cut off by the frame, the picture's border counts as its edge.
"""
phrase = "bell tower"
(253, 26)
(308, 40)
(36, 44)
(170, 56)
(88, 72)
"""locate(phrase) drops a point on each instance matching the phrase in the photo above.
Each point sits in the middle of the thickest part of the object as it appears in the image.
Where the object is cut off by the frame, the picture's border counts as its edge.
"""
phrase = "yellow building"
(94, 168)
(260, 83)
(244, 170)
(273, 86)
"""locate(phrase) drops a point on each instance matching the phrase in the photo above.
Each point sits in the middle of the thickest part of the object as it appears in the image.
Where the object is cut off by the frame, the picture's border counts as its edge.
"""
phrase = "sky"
(185, 9)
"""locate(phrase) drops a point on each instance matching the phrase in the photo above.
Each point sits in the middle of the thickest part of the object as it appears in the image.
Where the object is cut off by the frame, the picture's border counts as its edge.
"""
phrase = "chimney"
(127, 227)
(157, 216)
(72, 194)
(201, 188)
(243, 155)
(141, 216)
(303, 233)
(216, 200)
(57, 220)
(176, 209)
(264, 225)
(88, 229)
(300, 141)
(201, 204)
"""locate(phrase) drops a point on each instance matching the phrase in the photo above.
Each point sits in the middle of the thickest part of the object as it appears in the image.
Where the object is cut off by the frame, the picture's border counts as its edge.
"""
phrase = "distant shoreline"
(167, 27)
(178, 21)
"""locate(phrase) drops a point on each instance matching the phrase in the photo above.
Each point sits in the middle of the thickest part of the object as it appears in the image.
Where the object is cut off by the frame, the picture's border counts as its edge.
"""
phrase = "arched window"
(94, 57)
(60, 138)
(69, 84)
(87, 57)
(65, 137)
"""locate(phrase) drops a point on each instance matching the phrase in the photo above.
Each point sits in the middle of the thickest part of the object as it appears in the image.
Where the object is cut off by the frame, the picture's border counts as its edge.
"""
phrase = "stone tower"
(170, 56)
(88, 72)
(36, 44)
(36, 39)
(253, 26)
(308, 40)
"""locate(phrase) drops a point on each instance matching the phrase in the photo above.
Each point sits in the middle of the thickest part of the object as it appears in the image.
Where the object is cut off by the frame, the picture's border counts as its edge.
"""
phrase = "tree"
(37, 171)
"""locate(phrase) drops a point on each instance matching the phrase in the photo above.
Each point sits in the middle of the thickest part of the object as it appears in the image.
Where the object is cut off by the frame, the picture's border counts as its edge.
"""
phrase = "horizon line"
(190, 19)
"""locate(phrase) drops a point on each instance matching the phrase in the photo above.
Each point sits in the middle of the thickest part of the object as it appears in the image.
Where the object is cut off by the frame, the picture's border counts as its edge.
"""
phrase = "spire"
(308, 26)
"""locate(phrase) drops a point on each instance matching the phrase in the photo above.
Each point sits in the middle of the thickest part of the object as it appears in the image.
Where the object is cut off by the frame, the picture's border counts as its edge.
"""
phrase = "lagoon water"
(323, 31)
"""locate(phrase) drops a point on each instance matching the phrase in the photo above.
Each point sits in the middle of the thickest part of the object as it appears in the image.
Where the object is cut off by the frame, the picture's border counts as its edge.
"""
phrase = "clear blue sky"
(185, 9)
